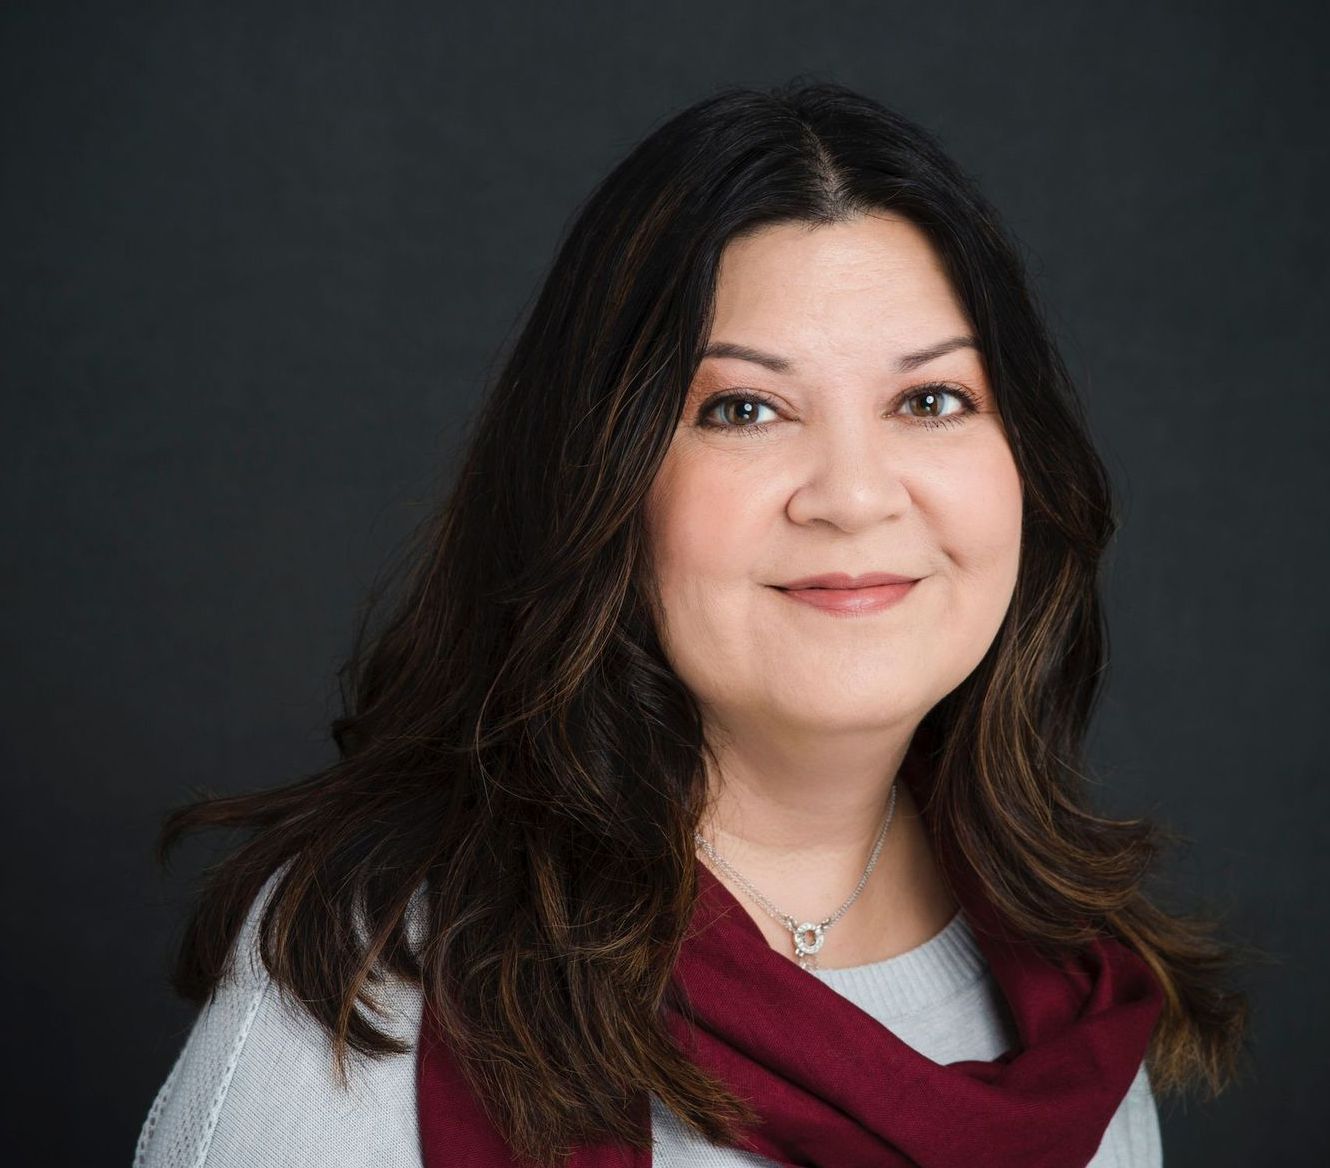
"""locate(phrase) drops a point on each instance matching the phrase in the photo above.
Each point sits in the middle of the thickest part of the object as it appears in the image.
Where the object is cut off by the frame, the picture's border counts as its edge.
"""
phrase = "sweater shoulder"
(1133, 1138)
(255, 1082)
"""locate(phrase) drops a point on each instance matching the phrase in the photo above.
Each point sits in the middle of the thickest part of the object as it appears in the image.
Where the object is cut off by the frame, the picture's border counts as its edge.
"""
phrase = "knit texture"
(254, 1084)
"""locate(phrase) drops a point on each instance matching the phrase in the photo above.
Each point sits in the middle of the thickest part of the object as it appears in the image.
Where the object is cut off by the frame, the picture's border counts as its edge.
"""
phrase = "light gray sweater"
(254, 1085)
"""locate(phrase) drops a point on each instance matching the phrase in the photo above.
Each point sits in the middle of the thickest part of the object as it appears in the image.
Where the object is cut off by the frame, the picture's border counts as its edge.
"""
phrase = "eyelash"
(966, 397)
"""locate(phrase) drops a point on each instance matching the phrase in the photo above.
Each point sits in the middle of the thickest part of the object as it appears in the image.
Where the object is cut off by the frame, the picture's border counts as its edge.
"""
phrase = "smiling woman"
(714, 792)
(843, 407)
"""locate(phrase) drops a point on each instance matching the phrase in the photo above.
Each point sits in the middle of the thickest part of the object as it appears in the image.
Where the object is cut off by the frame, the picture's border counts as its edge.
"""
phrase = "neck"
(799, 821)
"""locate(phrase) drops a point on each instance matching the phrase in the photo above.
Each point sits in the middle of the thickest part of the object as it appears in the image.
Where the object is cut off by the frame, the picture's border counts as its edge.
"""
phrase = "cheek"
(703, 523)
(707, 539)
(979, 518)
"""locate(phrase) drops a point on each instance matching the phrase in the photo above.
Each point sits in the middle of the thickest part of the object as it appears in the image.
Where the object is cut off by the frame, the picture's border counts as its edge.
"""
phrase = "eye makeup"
(969, 403)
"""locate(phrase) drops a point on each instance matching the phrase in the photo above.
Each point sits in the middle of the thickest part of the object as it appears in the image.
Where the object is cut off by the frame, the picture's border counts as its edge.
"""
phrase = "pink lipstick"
(845, 595)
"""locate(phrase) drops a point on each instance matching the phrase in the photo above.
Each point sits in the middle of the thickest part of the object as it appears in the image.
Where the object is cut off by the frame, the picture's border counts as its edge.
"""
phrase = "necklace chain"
(808, 935)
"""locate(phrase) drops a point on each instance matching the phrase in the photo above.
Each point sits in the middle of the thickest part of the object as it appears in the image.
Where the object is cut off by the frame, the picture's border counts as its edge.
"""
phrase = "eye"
(933, 397)
(932, 411)
(748, 403)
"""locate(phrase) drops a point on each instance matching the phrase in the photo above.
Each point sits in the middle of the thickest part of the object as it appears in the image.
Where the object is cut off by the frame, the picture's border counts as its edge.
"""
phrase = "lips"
(860, 599)
(842, 581)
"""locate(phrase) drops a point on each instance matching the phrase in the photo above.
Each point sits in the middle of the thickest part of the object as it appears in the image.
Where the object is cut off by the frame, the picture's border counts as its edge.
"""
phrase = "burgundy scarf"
(837, 1089)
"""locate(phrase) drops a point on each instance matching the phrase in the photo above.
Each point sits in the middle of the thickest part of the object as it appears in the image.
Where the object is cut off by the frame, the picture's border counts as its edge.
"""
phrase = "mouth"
(841, 582)
(856, 600)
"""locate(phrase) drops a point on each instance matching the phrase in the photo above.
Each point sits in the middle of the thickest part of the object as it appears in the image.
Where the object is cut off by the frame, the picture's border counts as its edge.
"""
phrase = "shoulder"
(1132, 1138)
(255, 1083)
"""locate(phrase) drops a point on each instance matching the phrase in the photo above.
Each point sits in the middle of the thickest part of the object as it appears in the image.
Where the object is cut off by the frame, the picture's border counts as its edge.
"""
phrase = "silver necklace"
(809, 935)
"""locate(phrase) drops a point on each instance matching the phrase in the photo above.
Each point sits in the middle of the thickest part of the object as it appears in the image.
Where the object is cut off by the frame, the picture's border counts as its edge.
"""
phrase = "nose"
(853, 477)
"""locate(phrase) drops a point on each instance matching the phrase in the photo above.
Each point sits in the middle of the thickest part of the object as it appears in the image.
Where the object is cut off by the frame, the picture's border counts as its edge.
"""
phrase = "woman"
(782, 495)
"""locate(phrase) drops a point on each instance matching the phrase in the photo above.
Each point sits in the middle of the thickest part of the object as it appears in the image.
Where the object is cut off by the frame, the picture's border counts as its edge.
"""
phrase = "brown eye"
(740, 410)
(932, 402)
(735, 411)
(931, 405)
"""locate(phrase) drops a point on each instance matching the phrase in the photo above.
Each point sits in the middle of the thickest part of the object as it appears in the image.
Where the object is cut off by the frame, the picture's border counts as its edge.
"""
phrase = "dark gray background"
(257, 260)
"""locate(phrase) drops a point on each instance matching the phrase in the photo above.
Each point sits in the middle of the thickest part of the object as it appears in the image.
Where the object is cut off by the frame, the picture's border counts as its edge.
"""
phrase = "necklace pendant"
(808, 939)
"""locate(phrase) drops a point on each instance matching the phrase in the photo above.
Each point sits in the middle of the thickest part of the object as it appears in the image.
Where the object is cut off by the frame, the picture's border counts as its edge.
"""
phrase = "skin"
(811, 712)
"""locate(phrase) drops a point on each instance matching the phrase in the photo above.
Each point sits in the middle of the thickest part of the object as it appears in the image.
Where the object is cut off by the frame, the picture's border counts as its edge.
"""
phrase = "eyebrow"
(784, 365)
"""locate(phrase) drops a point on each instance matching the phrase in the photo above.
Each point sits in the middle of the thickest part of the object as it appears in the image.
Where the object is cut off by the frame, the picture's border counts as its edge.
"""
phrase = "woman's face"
(859, 455)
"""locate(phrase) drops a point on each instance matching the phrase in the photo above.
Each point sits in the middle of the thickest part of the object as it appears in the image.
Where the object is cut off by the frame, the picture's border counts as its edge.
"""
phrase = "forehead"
(834, 288)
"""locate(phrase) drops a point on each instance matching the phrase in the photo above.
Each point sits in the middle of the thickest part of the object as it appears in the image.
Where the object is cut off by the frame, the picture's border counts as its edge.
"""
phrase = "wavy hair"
(514, 743)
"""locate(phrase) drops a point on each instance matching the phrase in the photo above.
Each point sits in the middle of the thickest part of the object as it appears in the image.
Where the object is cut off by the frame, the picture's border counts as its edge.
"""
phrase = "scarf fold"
(837, 1089)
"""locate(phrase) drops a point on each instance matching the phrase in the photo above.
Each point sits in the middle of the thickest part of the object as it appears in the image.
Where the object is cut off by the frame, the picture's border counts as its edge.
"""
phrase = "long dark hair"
(515, 743)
